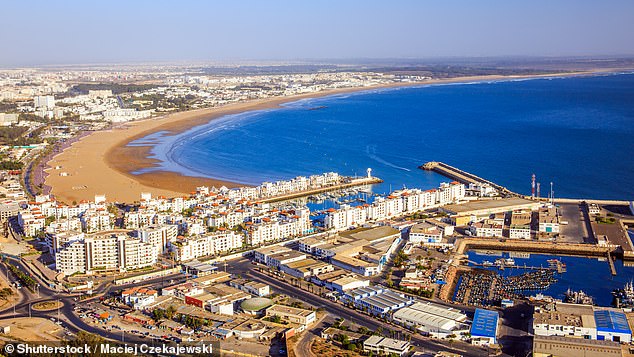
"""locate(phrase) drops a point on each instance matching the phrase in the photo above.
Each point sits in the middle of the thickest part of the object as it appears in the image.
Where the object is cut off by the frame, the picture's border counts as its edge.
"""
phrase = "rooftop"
(485, 323)
(488, 205)
(256, 304)
(289, 310)
(612, 321)
(370, 234)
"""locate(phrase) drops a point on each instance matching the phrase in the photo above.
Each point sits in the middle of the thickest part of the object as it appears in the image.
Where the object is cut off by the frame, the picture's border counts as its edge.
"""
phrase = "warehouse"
(612, 326)
(485, 327)
(430, 319)
(462, 214)
(377, 300)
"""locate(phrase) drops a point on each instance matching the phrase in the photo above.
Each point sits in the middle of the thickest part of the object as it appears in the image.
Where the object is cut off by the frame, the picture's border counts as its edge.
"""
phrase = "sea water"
(576, 132)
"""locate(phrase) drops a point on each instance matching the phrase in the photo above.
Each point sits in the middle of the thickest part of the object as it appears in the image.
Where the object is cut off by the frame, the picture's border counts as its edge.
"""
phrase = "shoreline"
(102, 162)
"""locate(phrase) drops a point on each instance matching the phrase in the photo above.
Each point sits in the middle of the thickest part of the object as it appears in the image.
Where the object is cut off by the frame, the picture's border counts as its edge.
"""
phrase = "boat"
(624, 298)
(578, 297)
(505, 261)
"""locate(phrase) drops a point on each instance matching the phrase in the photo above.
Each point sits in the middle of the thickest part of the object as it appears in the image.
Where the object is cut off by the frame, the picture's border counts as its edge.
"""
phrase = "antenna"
(552, 194)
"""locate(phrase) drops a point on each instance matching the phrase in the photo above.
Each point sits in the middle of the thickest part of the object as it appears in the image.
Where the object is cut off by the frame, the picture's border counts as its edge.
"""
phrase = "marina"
(581, 273)
(487, 288)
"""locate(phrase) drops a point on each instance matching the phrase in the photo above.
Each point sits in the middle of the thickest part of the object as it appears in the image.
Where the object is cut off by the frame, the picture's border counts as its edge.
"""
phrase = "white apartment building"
(216, 243)
(159, 236)
(488, 228)
(122, 115)
(103, 252)
(44, 101)
(396, 204)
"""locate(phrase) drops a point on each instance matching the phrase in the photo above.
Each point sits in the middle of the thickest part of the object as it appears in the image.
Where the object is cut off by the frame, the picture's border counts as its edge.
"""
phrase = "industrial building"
(306, 268)
(462, 214)
(612, 325)
(430, 318)
(484, 329)
(293, 315)
(385, 346)
(377, 300)
(582, 321)
(547, 346)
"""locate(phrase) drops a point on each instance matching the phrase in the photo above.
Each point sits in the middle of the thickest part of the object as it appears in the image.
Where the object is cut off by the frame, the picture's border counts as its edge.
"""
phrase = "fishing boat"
(624, 297)
(578, 297)
(505, 261)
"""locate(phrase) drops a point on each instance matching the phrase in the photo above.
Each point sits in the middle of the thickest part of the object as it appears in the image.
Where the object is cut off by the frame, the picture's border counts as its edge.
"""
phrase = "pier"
(352, 183)
(611, 262)
(463, 176)
(573, 249)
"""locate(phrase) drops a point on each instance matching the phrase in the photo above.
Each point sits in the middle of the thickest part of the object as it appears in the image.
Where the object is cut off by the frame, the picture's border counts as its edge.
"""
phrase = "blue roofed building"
(484, 328)
(612, 326)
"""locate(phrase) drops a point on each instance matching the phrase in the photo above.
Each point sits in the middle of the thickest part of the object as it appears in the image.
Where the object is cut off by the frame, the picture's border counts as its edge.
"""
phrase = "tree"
(169, 313)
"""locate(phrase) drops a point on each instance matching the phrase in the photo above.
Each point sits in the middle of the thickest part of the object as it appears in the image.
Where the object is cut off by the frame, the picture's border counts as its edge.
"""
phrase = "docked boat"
(505, 261)
(578, 297)
(624, 298)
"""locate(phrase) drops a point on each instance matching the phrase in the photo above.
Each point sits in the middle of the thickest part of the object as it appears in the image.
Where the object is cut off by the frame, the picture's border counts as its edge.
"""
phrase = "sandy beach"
(101, 163)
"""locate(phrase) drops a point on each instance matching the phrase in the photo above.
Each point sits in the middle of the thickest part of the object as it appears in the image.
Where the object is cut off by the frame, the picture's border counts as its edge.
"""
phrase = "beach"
(102, 162)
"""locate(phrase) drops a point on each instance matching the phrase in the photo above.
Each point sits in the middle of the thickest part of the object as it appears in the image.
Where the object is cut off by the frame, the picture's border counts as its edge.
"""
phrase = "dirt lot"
(324, 349)
(9, 300)
(33, 329)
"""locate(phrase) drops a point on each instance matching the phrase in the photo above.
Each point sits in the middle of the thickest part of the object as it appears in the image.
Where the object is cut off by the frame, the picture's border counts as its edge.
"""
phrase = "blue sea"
(576, 132)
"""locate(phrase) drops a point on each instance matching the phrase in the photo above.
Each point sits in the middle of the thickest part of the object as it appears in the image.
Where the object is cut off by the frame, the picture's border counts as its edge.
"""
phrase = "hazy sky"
(89, 31)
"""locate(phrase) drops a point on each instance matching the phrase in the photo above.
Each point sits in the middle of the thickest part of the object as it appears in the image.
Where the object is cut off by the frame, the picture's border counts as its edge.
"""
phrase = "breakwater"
(353, 183)
(464, 177)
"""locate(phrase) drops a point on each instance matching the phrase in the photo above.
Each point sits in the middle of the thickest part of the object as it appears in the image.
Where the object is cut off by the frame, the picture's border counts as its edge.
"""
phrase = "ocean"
(575, 132)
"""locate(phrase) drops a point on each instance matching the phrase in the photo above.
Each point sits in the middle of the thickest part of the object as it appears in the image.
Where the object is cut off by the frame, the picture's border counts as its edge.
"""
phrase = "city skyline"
(72, 32)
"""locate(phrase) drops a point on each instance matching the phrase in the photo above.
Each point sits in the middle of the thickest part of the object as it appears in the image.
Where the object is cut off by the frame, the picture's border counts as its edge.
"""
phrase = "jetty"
(355, 182)
(464, 177)
(511, 245)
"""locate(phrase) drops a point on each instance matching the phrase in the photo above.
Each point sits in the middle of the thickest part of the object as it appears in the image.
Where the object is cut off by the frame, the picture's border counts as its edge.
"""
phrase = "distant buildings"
(46, 102)
(122, 115)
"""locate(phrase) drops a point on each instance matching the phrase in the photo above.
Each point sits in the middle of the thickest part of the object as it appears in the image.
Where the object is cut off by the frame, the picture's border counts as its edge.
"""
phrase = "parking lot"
(573, 227)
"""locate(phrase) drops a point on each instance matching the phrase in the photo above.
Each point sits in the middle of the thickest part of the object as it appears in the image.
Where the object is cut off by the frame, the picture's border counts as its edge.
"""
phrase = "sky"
(93, 31)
